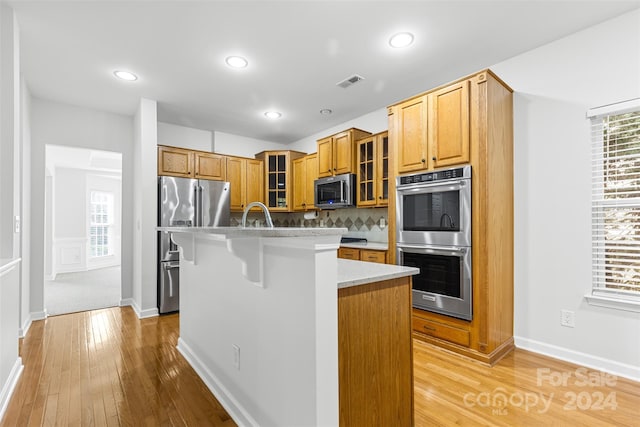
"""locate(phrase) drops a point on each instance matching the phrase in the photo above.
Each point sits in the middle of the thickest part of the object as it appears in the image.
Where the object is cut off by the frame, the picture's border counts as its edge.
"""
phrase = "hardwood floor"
(106, 367)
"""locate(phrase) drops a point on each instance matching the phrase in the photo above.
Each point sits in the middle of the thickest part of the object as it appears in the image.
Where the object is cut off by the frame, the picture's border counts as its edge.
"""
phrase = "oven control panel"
(442, 175)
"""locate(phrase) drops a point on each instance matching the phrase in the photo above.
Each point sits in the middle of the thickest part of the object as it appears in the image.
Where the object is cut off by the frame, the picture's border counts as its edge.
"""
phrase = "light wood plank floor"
(106, 367)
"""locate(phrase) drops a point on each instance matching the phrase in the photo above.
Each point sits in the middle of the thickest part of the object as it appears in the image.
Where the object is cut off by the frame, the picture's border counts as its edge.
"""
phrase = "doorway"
(83, 199)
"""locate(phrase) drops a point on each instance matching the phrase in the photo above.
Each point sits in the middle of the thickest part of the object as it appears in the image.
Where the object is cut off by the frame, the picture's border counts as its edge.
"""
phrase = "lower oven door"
(444, 282)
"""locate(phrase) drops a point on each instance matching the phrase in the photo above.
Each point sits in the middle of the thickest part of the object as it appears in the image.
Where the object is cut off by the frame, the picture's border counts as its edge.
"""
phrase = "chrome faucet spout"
(267, 215)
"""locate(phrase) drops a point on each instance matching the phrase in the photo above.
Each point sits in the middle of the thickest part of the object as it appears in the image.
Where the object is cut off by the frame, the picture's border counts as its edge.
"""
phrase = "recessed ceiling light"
(325, 111)
(236, 62)
(272, 115)
(401, 40)
(125, 75)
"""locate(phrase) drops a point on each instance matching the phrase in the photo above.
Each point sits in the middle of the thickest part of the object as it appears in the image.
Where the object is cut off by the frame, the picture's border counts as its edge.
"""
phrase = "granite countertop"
(378, 246)
(354, 273)
(259, 231)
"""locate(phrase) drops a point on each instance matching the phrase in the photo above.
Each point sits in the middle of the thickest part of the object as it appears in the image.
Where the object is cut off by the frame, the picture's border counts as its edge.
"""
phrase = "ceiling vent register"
(349, 81)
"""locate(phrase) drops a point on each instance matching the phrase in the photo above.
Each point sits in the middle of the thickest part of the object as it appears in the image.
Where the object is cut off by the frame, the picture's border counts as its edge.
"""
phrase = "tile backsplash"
(362, 222)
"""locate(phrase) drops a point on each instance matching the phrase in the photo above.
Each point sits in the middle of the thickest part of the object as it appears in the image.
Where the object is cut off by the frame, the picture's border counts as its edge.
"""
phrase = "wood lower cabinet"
(246, 178)
(337, 153)
(468, 121)
(375, 354)
(305, 171)
(369, 255)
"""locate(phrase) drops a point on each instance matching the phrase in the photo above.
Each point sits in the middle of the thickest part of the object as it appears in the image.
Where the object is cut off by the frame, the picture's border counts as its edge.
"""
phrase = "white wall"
(60, 124)
(145, 188)
(554, 86)
(71, 194)
(185, 137)
(374, 122)
(236, 145)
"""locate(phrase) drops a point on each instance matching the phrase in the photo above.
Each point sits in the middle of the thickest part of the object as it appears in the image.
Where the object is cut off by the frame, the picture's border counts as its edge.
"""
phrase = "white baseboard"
(10, 385)
(142, 314)
(228, 402)
(583, 359)
(22, 332)
(38, 315)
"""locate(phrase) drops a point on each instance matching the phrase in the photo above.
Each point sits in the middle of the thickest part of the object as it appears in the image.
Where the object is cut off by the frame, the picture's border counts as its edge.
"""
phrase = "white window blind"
(615, 135)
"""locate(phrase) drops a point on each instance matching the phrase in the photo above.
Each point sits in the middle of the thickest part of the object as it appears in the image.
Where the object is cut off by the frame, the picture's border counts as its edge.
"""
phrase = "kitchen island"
(284, 333)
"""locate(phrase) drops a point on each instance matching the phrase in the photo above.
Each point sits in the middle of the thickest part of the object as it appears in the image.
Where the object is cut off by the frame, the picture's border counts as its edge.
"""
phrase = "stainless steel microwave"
(335, 191)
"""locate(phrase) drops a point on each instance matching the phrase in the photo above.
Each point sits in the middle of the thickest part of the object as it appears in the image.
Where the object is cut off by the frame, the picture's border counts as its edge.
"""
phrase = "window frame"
(600, 295)
(109, 206)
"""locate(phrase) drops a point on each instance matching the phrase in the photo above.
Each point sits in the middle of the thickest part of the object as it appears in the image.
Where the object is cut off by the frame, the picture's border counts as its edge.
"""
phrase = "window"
(615, 131)
(101, 222)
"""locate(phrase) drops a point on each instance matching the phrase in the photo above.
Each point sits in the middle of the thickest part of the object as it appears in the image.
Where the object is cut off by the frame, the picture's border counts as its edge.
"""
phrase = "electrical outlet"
(236, 356)
(568, 318)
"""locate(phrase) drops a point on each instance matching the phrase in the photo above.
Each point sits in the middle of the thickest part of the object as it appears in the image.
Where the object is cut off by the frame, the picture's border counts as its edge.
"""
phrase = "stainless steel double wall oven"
(433, 226)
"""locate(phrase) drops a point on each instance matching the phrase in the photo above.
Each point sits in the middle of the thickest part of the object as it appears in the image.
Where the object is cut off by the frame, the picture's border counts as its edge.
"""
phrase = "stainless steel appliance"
(335, 191)
(184, 202)
(433, 233)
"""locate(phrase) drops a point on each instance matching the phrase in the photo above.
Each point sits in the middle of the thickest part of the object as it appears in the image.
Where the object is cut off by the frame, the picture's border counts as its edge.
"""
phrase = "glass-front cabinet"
(373, 170)
(278, 180)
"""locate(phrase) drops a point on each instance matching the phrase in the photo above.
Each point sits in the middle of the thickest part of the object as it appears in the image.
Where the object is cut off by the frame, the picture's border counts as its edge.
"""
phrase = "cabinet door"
(312, 175)
(299, 169)
(449, 125)
(373, 256)
(343, 153)
(411, 127)
(349, 253)
(254, 181)
(366, 176)
(325, 157)
(210, 166)
(175, 162)
(382, 169)
(277, 185)
(236, 170)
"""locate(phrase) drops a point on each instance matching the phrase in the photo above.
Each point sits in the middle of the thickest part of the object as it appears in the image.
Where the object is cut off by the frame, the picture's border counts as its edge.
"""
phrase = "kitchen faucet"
(267, 215)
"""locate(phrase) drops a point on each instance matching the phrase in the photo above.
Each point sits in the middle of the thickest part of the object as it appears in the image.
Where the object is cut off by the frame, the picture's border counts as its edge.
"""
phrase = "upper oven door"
(437, 213)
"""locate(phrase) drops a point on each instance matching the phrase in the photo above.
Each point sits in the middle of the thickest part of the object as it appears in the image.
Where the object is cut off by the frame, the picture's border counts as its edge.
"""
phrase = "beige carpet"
(86, 290)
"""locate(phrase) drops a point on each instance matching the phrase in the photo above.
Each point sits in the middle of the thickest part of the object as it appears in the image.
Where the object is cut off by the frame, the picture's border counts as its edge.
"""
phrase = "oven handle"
(449, 185)
(432, 249)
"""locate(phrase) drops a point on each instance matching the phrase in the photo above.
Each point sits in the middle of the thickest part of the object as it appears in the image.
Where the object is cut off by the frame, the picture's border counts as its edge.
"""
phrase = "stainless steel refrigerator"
(184, 202)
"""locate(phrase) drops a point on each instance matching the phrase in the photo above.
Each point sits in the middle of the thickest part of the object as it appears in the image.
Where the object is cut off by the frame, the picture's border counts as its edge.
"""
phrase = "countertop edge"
(355, 273)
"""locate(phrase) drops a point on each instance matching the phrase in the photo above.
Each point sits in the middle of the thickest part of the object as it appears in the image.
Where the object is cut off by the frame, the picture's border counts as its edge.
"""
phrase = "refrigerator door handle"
(196, 204)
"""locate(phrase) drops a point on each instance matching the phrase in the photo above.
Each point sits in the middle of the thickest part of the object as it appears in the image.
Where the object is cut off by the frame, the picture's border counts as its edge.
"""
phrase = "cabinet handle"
(423, 160)
(334, 169)
(380, 197)
(433, 158)
(429, 328)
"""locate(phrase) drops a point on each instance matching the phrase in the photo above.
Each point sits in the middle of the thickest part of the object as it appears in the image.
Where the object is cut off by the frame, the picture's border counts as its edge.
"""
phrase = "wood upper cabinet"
(246, 177)
(373, 170)
(181, 162)
(173, 161)
(411, 134)
(210, 166)
(278, 178)
(433, 130)
(336, 153)
(305, 171)
(449, 125)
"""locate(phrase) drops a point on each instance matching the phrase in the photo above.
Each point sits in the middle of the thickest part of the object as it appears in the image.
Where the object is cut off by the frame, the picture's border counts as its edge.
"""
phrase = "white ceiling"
(297, 52)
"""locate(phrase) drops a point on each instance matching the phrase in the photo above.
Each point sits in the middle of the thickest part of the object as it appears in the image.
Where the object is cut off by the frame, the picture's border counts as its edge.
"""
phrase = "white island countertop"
(354, 273)
(259, 231)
